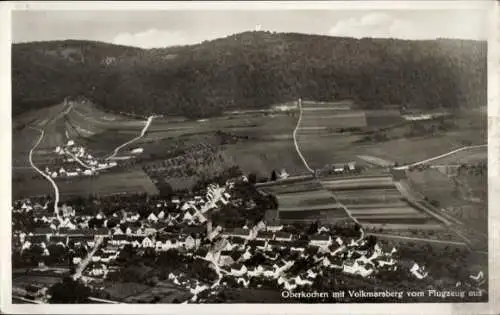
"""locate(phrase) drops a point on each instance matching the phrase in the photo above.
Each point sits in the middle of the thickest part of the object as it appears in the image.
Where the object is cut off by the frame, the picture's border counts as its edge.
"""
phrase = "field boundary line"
(417, 239)
(404, 167)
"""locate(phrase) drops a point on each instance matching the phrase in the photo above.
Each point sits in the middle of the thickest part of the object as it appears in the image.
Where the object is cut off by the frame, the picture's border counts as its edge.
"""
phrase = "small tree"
(274, 176)
(252, 178)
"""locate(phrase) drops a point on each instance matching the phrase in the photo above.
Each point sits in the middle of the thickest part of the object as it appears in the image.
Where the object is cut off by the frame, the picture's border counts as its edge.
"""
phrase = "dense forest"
(251, 70)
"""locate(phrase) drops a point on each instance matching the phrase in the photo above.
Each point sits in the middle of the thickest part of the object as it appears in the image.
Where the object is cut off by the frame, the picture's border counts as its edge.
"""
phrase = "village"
(251, 256)
(79, 162)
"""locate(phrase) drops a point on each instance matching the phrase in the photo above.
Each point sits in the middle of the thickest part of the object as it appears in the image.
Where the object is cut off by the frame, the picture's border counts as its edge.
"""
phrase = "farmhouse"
(274, 227)
(320, 240)
(283, 236)
(418, 271)
(264, 236)
(137, 151)
(242, 233)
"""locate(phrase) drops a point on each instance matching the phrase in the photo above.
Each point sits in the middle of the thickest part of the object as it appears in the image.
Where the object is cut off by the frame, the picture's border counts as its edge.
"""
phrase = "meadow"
(342, 128)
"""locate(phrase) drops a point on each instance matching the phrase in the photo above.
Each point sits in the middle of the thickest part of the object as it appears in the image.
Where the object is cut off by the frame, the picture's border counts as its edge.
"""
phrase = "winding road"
(295, 140)
(312, 171)
(404, 167)
(54, 185)
(143, 132)
(86, 261)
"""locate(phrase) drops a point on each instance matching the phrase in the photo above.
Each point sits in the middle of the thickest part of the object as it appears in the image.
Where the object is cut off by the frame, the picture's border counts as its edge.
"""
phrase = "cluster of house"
(165, 227)
(338, 168)
(239, 245)
(77, 154)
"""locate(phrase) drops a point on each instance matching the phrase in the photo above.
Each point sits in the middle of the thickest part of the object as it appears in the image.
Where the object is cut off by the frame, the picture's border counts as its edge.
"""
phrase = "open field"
(23, 281)
(341, 132)
(471, 155)
(256, 141)
(449, 195)
(131, 181)
(160, 294)
(121, 290)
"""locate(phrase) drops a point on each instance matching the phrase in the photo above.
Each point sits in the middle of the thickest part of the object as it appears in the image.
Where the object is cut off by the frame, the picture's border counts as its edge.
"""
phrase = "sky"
(150, 29)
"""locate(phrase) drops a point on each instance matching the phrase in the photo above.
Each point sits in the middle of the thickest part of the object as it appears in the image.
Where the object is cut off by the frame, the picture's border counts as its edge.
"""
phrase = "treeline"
(251, 70)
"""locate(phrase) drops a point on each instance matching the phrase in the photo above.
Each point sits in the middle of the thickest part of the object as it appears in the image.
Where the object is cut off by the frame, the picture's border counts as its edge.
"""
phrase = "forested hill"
(251, 70)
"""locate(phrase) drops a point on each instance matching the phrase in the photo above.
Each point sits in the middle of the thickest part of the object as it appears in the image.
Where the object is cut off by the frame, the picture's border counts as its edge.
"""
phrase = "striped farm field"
(360, 183)
(398, 220)
(301, 198)
(388, 227)
(338, 105)
(384, 211)
(375, 202)
(354, 197)
(322, 118)
(326, 215)
(293, 187)
(304, 200)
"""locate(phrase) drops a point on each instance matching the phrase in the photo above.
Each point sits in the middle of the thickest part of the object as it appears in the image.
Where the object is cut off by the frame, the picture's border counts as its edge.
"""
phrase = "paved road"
(446, 219)
(54, 185)
(86, 261)
(312, 171)
(77, 159)
(143, 132)
(295, 140)
(404, 167)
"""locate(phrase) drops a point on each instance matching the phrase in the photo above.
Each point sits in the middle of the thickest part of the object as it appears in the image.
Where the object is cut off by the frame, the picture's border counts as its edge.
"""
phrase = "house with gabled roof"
(237, 232)
(320, 240)
(274, 227)
(76, 232)
(418, 271)
(193, 229)
(119, 239)
(147, 242)
(102, 232)
(37, 239)
(264, 236)
(277, 244)
(148, 231)
(117, 230)
(56, 239)
(238, 270)
(225, 258)
(298, 245)
(43, 231)
(256, 243)
(152, 217)
(161, 215)
(283, 236)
